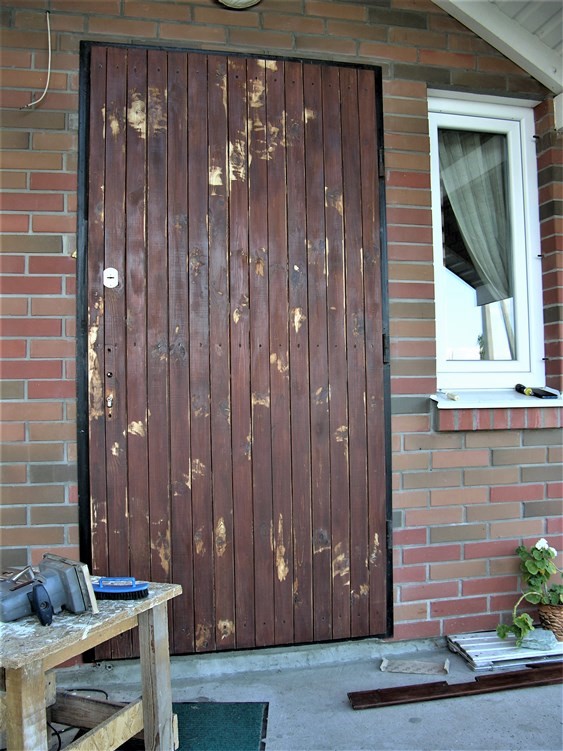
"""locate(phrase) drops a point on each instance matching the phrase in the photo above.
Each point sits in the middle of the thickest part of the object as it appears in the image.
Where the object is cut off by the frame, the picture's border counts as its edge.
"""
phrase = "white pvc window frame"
(517, 124)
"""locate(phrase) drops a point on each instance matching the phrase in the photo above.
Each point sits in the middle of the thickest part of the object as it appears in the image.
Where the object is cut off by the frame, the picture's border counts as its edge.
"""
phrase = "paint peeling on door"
(137, 114)
(310, 115)
(199, 543)
(297, 318)
(333, 199)
(225, 628)
(202, 635)
(341, 434)
(241, 309)
(222, 84)
(247, 449)
(261, 400)
(259, 266)
(157, 116)
(268, 64)
(322, 395)
(215, 177)
(115, 450)
(374, 550)
(280, 360)
(237, 160)
(321, 541)
(136, 427)
(220, 537)
(114, 124)
(256, 93)
(161, 545)
(341, 564)
(198, 468)
(96, 388)
(282, 567)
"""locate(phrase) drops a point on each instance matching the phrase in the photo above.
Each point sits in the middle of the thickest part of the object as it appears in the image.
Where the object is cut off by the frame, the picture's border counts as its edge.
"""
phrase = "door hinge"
(381, 162)
(386, 355)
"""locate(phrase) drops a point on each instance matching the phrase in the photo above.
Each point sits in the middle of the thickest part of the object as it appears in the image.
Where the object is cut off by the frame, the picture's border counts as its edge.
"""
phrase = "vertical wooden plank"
(96, 342)
(158, 425)
(115, 371)
(259, 266)
(179, 336)
(136, 298)
(219, 353)
(356, 361)
(318, 345)
(198, 271)
(155, 674)
(26, 722)
(280, 320)
(336, 305)
(376, 552)
(299, 354)
(240, 352)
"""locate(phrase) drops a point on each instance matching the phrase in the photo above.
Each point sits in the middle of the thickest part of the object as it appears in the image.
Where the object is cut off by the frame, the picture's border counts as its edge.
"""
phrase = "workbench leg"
(155, 673)
(25, 708)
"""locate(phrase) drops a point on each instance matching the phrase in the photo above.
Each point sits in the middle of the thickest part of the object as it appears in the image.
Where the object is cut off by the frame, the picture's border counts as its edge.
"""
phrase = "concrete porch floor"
(307, 688)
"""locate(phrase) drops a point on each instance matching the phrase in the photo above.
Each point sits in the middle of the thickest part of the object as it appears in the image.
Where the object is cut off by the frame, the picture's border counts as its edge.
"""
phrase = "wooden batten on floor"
(543, 675)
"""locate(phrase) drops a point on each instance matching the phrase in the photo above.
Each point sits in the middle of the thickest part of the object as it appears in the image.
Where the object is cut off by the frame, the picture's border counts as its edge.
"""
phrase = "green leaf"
(533, 597)
(531, 567)
(503, 630)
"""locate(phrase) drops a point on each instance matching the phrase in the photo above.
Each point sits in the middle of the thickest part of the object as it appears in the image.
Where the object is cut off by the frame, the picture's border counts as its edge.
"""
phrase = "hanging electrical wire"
(36, 101)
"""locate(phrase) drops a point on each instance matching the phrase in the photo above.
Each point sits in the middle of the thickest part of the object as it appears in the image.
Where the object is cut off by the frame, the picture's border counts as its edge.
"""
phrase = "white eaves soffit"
(513, 38)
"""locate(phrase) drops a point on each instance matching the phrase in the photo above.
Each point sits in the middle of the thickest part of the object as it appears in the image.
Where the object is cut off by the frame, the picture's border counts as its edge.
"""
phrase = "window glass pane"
(477, 245)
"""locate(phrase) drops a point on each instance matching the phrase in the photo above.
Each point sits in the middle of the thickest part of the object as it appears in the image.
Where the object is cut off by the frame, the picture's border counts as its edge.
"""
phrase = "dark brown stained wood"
(373, 320)
(136, 318)
(219, 348)
(545, 675)
(318, 344)
(260, 260)
(336, 325)
(115, 330)
(135, 437)
(281, 319)
(298, 354)
(179, 337)
(95, 297)
(157, 317)
(241, 417)
(198, 271)
(243, 454)
(356, 361)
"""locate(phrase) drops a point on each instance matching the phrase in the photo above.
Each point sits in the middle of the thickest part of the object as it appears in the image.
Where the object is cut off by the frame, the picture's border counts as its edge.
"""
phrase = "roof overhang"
(510, 38)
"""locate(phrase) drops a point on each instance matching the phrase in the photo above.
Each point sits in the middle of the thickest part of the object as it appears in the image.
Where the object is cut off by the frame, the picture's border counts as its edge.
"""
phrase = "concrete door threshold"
(213, 665)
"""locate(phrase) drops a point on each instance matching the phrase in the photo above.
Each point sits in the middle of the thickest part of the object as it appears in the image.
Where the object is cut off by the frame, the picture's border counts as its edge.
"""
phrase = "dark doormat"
(216, 726)
(221, 726)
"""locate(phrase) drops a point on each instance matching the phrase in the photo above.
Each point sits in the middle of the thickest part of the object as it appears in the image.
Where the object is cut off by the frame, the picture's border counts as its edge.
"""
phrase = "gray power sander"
(59, 583)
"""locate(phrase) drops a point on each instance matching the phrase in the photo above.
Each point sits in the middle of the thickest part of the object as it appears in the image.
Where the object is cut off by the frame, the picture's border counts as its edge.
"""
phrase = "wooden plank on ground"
(544, 675)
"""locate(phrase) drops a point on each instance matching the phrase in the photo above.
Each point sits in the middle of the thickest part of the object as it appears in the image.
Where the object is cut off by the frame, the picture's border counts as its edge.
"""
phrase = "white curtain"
(473, 171)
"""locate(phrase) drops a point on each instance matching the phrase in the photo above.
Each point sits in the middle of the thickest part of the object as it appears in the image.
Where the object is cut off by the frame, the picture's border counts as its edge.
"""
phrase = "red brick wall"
(467, 489)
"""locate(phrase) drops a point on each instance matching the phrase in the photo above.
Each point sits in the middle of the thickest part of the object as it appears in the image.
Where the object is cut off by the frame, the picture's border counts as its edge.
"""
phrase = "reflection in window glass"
(477, 245)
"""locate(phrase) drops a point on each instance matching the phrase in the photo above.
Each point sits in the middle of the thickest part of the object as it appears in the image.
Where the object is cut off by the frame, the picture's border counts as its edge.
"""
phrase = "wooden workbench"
(28, 650)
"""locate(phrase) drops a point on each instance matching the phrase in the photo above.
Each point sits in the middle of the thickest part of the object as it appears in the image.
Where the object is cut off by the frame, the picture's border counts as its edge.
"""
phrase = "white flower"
(544, 545)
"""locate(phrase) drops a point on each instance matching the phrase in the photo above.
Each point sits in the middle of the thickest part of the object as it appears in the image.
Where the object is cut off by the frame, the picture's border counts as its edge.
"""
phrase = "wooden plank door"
(236, 382)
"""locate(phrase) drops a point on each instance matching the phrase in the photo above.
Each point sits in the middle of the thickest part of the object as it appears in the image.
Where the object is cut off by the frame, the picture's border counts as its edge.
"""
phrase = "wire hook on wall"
(36, 101)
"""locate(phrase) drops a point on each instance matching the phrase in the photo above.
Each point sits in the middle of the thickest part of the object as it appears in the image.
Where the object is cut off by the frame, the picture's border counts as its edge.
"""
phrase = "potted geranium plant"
(537, 567)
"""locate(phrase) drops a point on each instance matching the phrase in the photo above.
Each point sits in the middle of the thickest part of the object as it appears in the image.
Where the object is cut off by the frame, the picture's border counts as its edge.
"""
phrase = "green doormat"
(220, 726)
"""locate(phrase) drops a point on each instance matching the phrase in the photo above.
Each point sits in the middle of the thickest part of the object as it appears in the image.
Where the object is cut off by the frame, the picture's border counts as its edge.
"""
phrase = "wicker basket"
(551, 618)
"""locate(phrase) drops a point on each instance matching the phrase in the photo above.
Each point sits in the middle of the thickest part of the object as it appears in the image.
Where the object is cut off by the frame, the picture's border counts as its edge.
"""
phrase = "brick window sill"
(495, 410)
